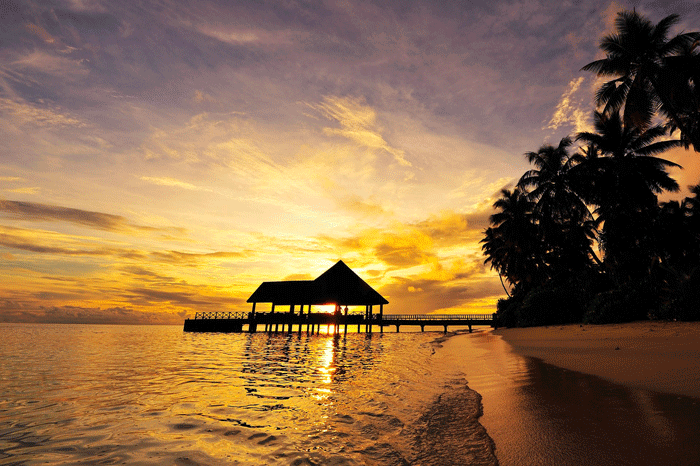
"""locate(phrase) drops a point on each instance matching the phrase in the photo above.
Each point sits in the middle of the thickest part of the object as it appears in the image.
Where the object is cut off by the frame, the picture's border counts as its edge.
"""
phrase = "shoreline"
(660, 356)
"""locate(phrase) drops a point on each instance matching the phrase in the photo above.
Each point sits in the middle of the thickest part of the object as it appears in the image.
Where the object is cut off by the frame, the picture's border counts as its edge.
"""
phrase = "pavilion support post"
(253, 311)
(470, 328)
(397, 328)
(291, 317)
(370, 318)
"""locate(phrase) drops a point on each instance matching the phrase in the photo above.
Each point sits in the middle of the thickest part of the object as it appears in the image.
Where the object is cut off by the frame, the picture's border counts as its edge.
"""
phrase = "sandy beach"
(565, 396)
(659, 356)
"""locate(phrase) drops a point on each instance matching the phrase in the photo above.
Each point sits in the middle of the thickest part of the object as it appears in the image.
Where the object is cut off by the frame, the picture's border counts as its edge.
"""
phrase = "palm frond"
(659, 148)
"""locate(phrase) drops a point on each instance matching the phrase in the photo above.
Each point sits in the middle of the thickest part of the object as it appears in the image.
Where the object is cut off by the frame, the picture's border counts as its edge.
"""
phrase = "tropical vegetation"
(582, 236)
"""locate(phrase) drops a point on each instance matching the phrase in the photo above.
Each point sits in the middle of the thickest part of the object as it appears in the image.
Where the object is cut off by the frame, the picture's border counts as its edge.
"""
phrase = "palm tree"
(563, 217)
(511, 244)
(637, 58)
(680, 78)
(628, 179)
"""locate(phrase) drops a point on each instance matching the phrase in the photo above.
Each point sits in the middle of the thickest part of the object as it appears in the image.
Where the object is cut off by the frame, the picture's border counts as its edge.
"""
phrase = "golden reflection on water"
(327, 368)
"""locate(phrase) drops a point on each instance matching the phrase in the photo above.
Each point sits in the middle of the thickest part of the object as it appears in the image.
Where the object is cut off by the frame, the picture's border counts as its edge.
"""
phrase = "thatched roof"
(337, 285)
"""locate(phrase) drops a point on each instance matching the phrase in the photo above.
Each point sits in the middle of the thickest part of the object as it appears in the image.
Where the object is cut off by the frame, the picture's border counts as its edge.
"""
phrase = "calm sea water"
(155, 395)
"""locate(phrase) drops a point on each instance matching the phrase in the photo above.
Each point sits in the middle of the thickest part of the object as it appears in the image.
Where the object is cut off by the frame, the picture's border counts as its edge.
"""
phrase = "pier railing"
(402, 317)
(221, 315)
(440, 317)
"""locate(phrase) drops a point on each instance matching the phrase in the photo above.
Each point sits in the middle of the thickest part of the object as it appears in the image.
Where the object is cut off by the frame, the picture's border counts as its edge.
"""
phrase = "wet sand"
(659, 356)
(541, 414)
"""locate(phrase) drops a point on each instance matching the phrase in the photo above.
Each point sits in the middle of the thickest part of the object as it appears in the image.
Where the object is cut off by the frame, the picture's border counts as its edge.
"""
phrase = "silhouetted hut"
(338, 285)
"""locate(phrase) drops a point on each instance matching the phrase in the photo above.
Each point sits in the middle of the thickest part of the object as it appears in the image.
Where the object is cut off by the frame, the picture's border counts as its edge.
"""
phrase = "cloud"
(358, 123)
(17, 312)
(47, 116)
(165, 181)
(213, 141)
(172, 297)
(570, 110)
(46, 242)
(189, 258)
(43, 212)
(32, 211)
(25, 190)
(464, 286)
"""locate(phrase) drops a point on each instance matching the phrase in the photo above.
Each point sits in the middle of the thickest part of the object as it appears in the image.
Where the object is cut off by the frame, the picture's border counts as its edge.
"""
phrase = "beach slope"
(659, 356)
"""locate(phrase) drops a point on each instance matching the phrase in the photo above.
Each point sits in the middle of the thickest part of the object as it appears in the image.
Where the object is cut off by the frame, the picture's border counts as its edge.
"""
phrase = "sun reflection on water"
(326, 369)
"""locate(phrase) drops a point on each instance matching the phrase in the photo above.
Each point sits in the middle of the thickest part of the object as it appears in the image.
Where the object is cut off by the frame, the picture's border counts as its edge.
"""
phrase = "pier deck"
(236, 322)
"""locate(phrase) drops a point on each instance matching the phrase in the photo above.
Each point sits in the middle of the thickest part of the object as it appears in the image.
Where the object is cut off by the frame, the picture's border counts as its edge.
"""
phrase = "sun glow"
(325, 308)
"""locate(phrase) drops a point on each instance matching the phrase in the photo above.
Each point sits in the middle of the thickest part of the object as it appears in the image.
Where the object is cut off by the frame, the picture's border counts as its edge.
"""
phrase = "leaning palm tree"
(637, 57)
(511, 243)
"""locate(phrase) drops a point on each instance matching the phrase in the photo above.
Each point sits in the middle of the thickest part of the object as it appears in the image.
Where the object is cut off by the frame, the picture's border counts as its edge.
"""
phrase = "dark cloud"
(146, 274)
(43, 212)
(33, 211)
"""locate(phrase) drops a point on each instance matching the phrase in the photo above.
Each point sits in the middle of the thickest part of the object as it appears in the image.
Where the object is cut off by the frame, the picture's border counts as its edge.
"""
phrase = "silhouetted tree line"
(582, 236)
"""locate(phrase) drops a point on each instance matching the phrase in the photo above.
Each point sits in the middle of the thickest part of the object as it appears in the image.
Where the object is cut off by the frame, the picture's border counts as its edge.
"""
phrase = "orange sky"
(162, 161)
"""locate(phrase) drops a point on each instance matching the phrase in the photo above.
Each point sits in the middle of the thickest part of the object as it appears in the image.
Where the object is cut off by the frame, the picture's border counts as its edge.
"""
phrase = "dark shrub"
(681, 296)
(625, 304)
(552, 304)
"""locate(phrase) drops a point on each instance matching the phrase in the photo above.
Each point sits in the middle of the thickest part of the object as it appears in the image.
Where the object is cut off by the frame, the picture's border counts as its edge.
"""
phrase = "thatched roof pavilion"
(338, 285)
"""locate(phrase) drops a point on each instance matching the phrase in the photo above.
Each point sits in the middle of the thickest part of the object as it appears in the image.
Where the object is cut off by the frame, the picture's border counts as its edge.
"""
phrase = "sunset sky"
(166, 157)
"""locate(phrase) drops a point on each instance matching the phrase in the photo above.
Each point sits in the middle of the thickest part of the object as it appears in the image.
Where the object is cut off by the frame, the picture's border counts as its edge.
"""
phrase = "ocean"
(101, 394)
(98, 394)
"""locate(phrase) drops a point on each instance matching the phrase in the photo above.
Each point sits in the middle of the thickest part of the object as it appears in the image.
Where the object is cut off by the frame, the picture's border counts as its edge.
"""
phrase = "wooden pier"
(338, 286)
(275, 322)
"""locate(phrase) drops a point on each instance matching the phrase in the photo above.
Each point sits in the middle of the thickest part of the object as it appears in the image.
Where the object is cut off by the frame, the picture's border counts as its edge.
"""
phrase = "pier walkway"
(273, 322)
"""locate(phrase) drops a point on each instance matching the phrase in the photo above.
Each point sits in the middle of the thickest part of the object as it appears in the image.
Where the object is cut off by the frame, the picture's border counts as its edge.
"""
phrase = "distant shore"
(659, 356)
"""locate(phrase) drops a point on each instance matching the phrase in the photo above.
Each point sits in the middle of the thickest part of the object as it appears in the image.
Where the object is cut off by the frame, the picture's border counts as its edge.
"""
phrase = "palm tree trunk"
(594, 256)
(503, 285)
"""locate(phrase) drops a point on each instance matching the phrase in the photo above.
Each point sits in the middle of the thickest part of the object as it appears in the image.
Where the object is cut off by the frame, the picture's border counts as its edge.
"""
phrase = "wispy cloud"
(172, 182)
(47, 242)
(27, 114)
(358, 122)
(44, 212)
(571, 109)
(24, 190)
